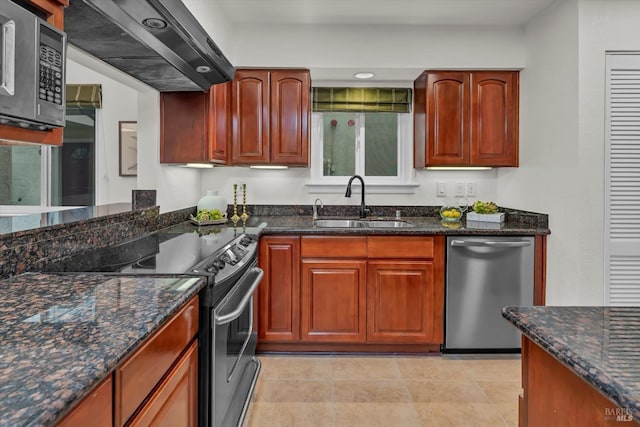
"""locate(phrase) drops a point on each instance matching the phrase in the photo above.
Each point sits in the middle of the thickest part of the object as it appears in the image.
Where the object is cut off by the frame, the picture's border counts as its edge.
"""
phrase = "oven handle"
(230, 317)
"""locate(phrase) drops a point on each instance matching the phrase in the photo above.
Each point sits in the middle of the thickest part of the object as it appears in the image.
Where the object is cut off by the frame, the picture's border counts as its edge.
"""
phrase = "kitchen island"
(580, 365)
(64, 334)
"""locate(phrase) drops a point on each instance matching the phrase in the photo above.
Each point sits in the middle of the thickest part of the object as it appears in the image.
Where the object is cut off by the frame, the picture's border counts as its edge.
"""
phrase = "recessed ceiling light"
(364, 75)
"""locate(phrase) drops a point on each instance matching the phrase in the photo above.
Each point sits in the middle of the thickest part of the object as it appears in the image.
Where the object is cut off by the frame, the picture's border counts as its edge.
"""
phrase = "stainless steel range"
(228, 367)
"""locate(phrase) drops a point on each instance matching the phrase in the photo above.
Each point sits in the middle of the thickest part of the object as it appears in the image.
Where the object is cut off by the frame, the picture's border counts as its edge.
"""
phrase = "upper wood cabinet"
(270, 117)
(53, 12)
(466, 118)
(194, 126)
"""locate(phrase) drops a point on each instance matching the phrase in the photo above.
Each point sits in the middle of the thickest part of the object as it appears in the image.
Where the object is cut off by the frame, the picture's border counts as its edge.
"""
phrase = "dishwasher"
(484, 274)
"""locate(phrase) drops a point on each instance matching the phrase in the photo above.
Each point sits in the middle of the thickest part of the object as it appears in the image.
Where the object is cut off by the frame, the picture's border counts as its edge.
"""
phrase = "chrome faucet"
(363, 207)
(315, 208)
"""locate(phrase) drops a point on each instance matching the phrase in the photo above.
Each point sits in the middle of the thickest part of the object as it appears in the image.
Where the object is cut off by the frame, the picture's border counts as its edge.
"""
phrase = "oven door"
(235, 367)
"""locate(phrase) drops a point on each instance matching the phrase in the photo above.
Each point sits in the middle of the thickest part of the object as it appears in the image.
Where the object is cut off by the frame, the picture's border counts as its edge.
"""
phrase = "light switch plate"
(471, 189)
(441, 189)
(459, 189)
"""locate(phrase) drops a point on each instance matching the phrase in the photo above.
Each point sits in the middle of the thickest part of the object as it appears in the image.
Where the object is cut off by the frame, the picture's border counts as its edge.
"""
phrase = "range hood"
(156, 41)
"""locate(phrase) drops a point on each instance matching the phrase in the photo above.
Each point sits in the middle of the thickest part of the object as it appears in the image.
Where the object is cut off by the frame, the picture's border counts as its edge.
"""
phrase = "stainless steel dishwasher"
(484, 274)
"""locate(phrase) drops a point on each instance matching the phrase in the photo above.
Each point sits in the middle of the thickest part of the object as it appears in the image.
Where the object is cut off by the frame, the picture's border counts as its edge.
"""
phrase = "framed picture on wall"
(128, 132)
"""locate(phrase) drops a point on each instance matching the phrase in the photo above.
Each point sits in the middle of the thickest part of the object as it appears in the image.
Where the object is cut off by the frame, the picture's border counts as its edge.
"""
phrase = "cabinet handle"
(513, 244)
(8, 54)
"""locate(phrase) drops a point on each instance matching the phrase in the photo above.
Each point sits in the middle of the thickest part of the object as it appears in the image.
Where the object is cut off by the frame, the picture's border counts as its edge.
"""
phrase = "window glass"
(73, 164)
(339, 147)
(381, 144)
(20, 175)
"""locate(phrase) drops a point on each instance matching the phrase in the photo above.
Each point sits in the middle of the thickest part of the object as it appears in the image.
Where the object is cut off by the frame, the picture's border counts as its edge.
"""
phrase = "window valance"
(84, 96)
(361, 99)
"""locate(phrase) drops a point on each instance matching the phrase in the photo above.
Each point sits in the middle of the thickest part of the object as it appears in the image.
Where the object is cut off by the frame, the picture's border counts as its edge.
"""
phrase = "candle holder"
(244, 215)
(235, 218)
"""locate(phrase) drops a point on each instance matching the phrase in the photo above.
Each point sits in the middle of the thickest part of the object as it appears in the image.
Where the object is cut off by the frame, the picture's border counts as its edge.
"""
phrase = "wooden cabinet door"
(175, 401)
(447, 118)
(279, 292)
(333, 301)
(494, 118)
(183, 127)
(402, 302)
(219, 122)
(250, 117)
(289, 137)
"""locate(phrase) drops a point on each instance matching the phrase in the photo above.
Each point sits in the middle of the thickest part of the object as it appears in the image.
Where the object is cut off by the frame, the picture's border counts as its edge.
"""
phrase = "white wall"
(548, 177)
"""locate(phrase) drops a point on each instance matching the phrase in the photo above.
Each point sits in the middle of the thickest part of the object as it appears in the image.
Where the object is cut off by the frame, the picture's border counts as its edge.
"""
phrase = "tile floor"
(397, 391)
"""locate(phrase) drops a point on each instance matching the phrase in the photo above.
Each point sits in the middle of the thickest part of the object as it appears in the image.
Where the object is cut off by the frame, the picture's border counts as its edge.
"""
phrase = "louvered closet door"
(622, 186)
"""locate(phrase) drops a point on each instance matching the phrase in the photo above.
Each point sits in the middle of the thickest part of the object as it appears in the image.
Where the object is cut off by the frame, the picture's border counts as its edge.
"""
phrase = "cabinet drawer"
(93, 410)
(400, 247)
(334, 247)
(140, 373)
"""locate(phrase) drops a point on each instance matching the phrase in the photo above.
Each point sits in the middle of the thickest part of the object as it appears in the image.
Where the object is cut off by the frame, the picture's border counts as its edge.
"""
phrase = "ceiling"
(383, 12)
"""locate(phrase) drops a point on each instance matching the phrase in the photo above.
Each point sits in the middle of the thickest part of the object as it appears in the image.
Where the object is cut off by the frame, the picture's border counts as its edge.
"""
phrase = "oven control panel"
(231, 258)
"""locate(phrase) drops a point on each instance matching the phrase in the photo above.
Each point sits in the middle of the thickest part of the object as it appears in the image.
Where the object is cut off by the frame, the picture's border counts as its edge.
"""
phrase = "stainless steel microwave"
(32, 70)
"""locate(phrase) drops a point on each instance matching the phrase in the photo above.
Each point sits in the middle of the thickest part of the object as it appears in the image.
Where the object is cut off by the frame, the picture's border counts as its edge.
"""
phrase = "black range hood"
(156, 41)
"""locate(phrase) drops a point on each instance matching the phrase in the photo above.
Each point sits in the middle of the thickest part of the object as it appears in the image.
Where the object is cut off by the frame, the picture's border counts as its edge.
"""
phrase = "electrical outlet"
(441, 189)
(471, 189)
(459, 189)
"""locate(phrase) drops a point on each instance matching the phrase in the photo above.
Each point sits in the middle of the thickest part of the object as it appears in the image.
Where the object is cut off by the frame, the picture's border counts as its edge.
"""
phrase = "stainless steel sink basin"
(388, 224)
(339, 223)
(359, 223)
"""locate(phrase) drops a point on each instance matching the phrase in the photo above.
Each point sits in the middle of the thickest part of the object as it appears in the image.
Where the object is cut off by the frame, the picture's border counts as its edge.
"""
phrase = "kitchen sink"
(360, 223)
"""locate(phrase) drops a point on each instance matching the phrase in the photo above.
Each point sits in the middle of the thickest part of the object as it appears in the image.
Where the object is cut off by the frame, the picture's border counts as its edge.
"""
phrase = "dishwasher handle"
(491, 244)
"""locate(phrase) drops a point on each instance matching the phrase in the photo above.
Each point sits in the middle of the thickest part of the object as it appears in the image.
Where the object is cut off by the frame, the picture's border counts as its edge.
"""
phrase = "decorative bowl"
(451, 213)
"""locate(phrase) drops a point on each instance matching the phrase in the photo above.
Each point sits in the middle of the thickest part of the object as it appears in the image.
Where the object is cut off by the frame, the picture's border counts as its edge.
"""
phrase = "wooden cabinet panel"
(175, 401)
(142, 370)
(183, 127)
(466, 118)
(494, 118)
(334, 247)
(333, 301)
(250, 117)
(219, 123)
(195, 126)
(290, 117)
(279, 292)
(93, 410)
(400, 247)
(401, 300)
(447, 118)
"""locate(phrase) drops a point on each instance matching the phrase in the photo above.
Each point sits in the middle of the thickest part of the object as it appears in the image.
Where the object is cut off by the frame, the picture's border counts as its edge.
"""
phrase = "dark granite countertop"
(423, 225)
(599, 344)
(63, 334)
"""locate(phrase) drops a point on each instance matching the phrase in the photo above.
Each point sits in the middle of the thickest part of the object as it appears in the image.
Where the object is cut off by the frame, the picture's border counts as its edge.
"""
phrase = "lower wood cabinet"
(346, 291)
(333, 301)
(95, 410)
(402, 300)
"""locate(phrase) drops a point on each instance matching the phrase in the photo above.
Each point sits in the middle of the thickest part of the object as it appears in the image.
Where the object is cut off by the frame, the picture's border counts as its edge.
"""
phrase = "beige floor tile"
(432, 368)
(443, 391)
(307, 391)
(439, 414)
(296, 367)
(501, 391)
(370, 391)
(376, 415)
(495, 369)
(365, 368)
(289, 414)
(509, 412)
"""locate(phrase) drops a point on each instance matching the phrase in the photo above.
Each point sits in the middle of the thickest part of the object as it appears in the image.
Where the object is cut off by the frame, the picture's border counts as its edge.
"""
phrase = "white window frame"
(404, 182)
